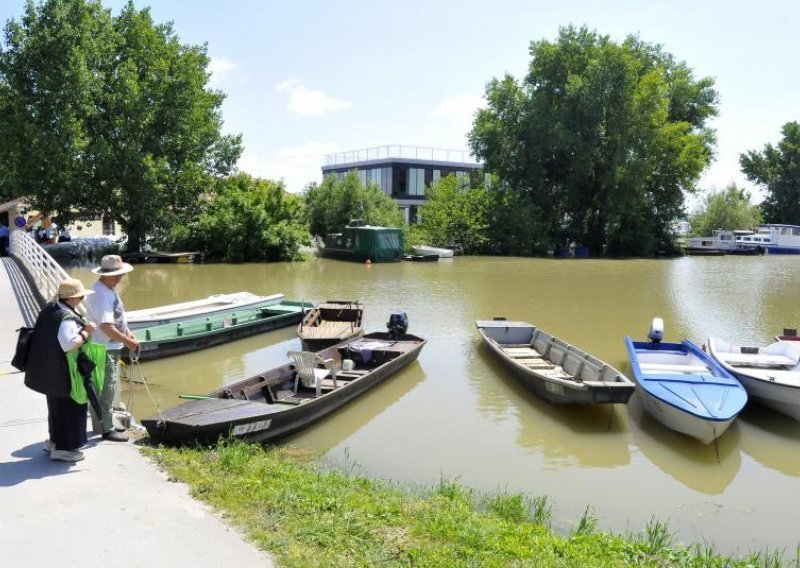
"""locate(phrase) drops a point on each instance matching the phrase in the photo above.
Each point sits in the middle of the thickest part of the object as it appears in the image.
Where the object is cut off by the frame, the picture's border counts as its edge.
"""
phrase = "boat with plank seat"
(330, 323)
(770, 374)
(682, 387)
(556, 371)
(221, 327)
(288, 398)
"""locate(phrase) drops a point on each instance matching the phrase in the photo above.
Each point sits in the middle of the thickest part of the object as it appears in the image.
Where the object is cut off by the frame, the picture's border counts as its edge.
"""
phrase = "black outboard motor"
(398, 325)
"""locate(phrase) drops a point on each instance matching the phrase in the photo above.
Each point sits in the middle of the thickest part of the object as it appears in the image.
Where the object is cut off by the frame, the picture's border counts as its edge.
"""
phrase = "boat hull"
(505, 340)
(206, 420)
(685, 389)
(330, 323)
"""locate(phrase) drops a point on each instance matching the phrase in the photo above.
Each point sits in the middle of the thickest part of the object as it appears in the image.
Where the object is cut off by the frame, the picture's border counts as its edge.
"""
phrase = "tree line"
(600, 143)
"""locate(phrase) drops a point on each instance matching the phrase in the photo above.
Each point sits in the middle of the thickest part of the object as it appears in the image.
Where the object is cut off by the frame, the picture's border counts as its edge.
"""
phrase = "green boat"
(192, 334)
(360, 244)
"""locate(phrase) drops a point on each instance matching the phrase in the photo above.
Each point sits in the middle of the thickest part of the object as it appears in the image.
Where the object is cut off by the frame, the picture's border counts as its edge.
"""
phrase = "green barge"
(365, 243)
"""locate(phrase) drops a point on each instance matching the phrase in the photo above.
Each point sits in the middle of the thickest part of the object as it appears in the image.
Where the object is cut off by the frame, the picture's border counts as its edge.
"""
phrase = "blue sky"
(304, 79)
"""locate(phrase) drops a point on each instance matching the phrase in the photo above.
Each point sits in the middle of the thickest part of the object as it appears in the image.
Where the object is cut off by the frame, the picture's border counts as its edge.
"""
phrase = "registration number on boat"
(251, 427)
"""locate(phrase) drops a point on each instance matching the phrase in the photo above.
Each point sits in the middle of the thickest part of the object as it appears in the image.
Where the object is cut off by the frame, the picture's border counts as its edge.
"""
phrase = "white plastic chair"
(308, 370)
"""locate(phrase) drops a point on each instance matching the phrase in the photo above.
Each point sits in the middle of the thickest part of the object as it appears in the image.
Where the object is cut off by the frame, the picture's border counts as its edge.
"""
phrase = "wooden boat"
(330, 323)
(279, 402)
(556, 371)
(182, 311)
(185, 257)
(440, 252)
(770, 374)
(683, 387)
(197, 333)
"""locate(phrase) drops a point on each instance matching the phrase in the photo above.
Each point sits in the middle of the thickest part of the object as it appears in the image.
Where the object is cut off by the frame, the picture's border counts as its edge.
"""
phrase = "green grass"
(285, 502)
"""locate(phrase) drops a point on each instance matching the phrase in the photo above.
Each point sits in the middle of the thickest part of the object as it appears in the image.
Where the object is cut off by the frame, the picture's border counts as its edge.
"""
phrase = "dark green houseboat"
(376, 244)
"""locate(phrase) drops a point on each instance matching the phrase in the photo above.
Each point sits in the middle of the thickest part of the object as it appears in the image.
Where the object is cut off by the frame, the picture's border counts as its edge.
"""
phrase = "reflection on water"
(458, 414)
(705, 468)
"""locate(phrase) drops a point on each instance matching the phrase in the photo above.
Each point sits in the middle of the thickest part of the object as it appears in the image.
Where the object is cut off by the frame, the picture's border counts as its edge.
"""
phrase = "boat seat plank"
(350, 374)
(667, 368)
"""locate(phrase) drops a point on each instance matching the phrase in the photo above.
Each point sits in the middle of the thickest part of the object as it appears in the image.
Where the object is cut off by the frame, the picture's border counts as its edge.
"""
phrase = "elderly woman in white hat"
(59, 329)
(106, 308)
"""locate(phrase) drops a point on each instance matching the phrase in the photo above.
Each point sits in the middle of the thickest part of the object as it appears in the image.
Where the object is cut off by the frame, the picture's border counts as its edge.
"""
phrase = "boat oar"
(196, 397)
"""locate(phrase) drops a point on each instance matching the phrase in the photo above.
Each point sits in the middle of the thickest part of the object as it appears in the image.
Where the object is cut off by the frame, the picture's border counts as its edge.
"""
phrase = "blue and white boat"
(774, 239)
(684, 388)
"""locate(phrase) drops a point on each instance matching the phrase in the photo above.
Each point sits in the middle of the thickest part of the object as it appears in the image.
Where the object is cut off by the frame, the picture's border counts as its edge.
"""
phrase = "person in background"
(64, 235)
(106, 308)
(3, 239)
(59, 329)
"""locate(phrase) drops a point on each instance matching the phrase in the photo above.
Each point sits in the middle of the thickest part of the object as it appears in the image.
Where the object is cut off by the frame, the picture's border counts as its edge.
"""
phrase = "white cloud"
(297, 166)
(459, 108)
(309, 102)
(221, 66)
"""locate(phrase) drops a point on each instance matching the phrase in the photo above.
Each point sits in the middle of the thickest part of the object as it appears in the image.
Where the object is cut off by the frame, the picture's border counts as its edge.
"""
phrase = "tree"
(332, 204)
(728, 209)
(246, 219)
(111, 115)
(777, 168)
(455, 213)
(597, 134)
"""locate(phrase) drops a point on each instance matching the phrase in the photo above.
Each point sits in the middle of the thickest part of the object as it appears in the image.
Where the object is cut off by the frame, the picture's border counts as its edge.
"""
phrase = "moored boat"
(285, 399)
(221, 327)
(556, 371)
(438, 251)
(330, 323)
(365, 243)
(770, 374)
(182, 311)
(683, 387)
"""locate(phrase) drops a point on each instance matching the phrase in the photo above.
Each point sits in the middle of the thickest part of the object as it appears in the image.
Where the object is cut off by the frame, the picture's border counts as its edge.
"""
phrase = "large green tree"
(332, 204)
(601, 138)
(455, 213)
(777, 168)
(108, 114)
(728, 209)
(245, 219)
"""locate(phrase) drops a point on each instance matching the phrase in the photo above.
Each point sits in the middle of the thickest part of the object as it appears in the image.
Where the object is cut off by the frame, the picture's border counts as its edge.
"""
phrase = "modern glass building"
(402, 172)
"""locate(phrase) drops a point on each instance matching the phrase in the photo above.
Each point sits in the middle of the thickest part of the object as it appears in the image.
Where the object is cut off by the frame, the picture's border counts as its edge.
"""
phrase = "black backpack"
(20, 359)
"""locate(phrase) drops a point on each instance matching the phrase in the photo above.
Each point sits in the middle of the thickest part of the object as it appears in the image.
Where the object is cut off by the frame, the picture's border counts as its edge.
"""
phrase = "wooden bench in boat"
(328, 329)
(667, 368)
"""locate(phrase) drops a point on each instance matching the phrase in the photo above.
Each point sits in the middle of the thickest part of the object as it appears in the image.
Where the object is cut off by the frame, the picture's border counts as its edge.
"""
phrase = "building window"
(416, 181)
(108, 225)
(386, 180)
(437, 174)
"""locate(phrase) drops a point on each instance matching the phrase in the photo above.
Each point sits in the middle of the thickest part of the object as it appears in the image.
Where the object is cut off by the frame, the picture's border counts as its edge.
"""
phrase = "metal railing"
(45, 272)
(397, 151)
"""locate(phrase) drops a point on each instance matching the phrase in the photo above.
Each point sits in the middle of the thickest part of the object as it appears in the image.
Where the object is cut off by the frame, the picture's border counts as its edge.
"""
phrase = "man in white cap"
(105, 307)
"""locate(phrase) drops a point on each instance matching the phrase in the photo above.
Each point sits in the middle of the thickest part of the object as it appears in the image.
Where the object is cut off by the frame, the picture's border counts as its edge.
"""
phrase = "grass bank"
(285, 502)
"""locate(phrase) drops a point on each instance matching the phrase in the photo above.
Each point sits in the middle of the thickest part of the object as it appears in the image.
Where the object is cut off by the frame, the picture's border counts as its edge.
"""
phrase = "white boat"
(683, 387)
(425, 249)
(774, 239)
(770, 374)
(723, 242)
(174, 313)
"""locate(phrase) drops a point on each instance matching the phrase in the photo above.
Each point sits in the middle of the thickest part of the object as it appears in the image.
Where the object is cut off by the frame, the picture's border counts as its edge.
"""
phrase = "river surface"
(456, 414)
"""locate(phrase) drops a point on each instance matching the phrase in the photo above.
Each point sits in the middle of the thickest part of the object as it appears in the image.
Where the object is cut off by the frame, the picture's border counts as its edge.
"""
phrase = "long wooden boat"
(276, 403)
(182, 311)
(684, 388)
(197, 333)
(330, 323)
(770, 374)
(556, 371)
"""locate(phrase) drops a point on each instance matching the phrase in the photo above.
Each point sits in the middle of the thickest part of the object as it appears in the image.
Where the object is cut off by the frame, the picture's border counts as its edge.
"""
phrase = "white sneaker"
(48, 446)
(67, 455)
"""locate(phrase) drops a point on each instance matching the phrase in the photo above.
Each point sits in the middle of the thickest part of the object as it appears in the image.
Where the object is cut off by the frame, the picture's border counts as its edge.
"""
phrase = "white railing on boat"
(46, 273)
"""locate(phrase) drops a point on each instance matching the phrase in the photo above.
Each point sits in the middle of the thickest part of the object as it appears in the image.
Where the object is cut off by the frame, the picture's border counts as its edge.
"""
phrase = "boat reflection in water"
(585, 435)
(709, 469)
(769, 437)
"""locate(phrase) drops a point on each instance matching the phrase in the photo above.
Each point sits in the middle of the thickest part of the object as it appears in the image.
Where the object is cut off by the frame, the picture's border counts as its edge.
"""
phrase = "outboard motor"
(398, 324)
(656, 330)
